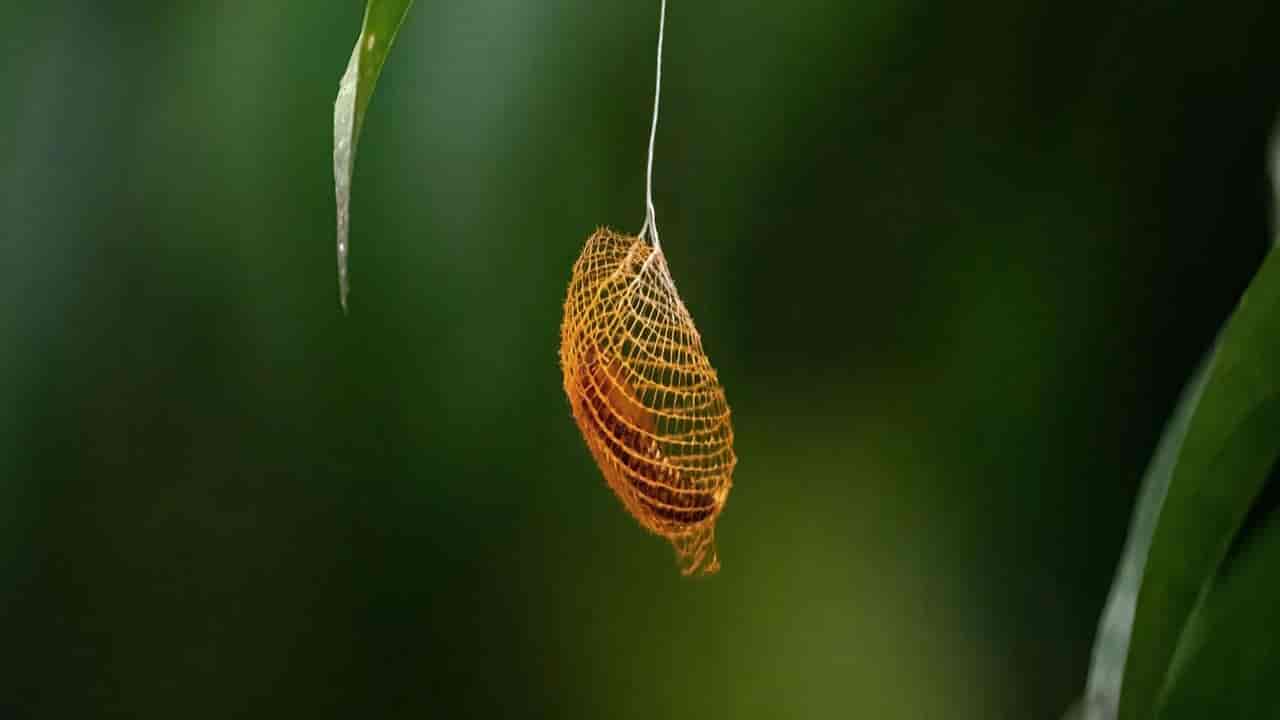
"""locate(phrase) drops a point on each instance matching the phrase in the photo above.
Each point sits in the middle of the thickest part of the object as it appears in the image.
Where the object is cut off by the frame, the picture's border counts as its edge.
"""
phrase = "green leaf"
(382, 20)
(1102, 694)
(1229, 658)
(1230, 444)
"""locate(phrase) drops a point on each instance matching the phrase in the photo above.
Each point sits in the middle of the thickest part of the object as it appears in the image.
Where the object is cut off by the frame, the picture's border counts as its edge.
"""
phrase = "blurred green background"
(953, 263)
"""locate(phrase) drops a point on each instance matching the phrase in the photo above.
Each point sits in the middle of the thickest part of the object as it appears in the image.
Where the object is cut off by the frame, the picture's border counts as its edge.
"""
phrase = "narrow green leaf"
(1229, 659)
(382, 20)
(1229, 446)
(1102, 694)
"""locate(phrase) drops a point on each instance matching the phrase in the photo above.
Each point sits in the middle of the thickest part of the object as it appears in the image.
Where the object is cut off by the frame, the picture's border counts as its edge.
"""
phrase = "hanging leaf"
(1229, 447)
(382, 20)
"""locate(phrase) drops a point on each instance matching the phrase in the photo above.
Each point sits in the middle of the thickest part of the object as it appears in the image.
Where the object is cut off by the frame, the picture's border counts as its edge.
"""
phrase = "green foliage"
(1224, 461)
(382, 20)
(1115, 629)
(1227, 658)
(1198, 634)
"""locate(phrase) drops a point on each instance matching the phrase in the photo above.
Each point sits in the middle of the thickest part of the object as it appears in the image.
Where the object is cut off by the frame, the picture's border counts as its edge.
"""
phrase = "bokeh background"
(953, 262)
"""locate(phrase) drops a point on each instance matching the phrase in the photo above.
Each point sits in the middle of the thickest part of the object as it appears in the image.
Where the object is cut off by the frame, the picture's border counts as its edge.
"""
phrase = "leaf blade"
(1225, 668)
(1111, 648)
(378, 30)
(1222, 466)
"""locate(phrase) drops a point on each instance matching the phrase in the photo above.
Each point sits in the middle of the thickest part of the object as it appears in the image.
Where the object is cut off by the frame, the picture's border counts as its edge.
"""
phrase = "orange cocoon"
(645, 396)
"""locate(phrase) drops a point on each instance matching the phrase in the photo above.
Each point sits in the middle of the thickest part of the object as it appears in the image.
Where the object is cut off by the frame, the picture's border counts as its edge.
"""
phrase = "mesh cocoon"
(645, 396)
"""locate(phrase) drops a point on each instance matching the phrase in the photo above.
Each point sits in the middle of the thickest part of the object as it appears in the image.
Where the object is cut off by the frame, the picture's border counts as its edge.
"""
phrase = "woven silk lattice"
(646, 398)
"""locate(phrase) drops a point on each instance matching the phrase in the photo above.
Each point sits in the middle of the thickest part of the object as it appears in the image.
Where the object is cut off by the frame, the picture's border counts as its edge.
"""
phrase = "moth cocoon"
(645, 396)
